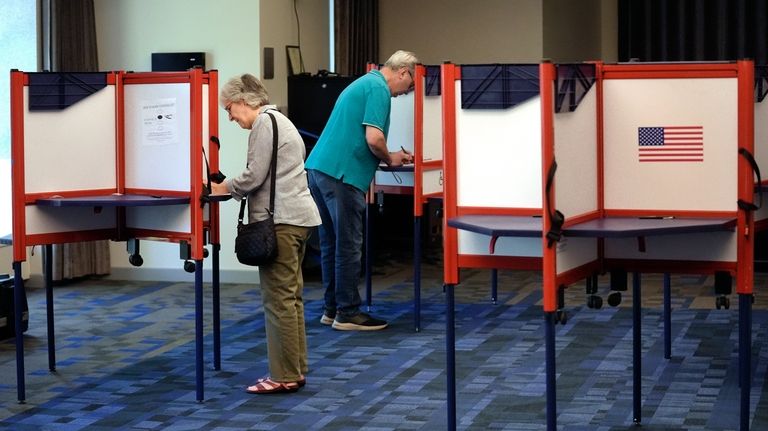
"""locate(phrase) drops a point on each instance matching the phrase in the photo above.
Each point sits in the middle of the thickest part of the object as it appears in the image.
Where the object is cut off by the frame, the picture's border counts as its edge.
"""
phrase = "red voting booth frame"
(742, 218)
(195, 78)
(192, 240)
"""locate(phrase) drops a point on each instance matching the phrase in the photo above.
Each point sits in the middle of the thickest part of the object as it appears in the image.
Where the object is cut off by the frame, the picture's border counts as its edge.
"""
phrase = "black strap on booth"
(556, 218)
(216, 177)
(744, 205)
(273, 168)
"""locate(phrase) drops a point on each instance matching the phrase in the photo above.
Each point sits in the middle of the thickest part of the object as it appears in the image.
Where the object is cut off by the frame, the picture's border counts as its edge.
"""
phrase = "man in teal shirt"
(340, 168)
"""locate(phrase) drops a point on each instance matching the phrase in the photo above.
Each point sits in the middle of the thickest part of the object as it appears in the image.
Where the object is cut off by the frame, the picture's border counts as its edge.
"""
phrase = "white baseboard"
(164, 274)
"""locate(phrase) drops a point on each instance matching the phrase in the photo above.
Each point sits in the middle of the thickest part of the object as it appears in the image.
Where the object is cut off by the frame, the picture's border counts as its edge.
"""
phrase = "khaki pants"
(281, 292)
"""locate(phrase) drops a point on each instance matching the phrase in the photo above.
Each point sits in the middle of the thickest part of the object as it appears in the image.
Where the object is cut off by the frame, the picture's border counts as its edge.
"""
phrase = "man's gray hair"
(402, 59)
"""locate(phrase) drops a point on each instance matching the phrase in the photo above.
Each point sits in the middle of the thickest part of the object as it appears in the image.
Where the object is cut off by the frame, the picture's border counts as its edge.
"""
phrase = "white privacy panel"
(498, 155)
(41, 219)
(157, 136)
(761, 135)
(575, 252)
(709, 246)
(576, 156)
(432, 182)
(206, 138)
(432, 128)
(762, 212)
(391, 178)
(73, 148)
(401, 123)
(173, 218)
(633, 106)
(477, 244)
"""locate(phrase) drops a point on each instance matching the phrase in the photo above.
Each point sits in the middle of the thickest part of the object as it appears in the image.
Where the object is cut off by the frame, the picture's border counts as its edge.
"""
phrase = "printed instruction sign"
(159, 123)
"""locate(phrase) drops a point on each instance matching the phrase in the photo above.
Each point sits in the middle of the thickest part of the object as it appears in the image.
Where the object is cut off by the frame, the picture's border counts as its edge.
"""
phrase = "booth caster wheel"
(561, 317)
(135, 259)
(614, 299)
(594, 301)
(722, 301)
(189, 266)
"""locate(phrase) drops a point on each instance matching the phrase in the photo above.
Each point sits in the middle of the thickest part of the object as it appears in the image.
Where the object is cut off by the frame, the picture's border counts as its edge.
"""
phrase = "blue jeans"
(342, 208)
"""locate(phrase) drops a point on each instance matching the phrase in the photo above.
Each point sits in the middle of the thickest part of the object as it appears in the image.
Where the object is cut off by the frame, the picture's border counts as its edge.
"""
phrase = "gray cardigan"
(293, 203)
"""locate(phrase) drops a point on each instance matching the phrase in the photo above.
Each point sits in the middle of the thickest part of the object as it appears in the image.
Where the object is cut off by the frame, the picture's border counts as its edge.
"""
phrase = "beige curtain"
(70, 46)
(356, 32)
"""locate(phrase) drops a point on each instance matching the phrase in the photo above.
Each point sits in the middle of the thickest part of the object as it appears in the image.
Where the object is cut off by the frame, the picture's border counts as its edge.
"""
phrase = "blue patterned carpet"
(126, 361)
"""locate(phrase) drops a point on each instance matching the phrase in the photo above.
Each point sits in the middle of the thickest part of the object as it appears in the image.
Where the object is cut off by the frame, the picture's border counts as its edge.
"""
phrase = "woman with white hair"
(246, 101)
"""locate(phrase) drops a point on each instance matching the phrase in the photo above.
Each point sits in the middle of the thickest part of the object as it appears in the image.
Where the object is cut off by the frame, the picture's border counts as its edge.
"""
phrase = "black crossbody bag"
(256, 243)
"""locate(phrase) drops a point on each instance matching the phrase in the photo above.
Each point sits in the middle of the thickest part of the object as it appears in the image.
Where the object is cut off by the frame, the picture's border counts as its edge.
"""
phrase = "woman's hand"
(219, 189)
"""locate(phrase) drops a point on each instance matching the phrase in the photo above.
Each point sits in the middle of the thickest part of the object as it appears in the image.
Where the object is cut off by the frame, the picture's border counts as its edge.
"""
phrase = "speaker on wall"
(177, 61)
(269, 63)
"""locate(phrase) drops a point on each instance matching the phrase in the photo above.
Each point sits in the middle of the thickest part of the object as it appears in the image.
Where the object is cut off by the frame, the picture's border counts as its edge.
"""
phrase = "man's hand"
(400, 158)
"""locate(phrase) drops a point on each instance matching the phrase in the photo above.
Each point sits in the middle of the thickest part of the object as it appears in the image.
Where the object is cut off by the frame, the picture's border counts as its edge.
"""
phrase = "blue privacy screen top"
(761, 83)
(432, 81)
(50, 91)
(573, 83)
(498, 86)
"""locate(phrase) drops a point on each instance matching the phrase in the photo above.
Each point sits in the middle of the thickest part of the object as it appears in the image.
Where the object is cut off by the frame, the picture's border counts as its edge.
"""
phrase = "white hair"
(402, 59)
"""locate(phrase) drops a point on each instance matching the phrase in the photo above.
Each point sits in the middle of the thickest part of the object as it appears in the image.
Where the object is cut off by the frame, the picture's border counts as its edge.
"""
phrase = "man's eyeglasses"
(413, 81)
(228, 108)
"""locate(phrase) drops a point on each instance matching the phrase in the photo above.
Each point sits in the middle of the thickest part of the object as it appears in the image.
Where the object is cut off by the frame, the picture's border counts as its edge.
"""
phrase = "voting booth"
(427, 165)
(579, 169)
(416, 126)
(116, 156)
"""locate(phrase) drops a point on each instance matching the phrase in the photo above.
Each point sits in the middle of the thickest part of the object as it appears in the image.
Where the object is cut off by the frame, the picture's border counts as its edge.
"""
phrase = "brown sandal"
(301, 382)
(269, 386)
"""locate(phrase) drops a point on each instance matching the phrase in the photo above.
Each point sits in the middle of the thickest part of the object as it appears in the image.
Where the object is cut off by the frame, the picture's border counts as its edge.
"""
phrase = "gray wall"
(460, 31)
(128, 32)
(234, 32)
(488, 31)
(580, 30)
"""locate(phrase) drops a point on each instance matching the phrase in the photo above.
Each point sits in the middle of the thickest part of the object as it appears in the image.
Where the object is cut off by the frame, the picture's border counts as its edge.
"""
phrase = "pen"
(406, 152)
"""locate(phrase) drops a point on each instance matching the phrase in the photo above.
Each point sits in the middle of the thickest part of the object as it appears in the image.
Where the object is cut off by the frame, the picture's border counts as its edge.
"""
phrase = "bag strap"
(273, 169)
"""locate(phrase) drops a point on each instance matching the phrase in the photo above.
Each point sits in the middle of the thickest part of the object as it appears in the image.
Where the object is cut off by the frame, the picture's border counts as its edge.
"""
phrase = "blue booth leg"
(215, 293)
(417, 273)
(48, 277)
(18, 291)
(494, 285)
(745, 357)
(667, 316)
(450, 356)
(199, 328)
(368, 257)
(637, 362)
(549, 331)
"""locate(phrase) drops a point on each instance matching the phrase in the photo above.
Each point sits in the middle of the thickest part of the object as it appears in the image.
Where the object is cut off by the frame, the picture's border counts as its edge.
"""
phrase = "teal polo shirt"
(342, 151)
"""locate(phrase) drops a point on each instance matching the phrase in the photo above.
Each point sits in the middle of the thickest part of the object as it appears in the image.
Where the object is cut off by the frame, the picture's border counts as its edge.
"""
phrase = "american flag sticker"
(670, 144)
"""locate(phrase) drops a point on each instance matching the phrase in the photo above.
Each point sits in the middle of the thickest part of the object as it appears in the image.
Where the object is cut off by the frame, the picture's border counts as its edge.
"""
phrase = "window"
(18, 43)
